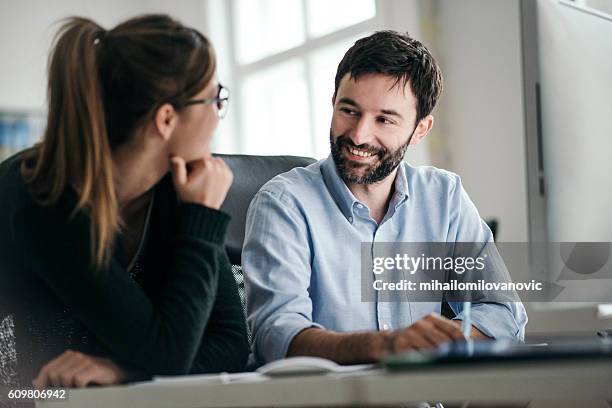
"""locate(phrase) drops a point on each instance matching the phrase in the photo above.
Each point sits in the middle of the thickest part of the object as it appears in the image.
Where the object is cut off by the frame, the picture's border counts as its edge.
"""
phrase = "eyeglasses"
(221, 101)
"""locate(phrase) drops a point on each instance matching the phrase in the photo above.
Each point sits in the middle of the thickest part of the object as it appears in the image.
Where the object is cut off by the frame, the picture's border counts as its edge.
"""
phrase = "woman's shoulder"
(11, 165)
(19, 206)
(14, 189)
(16, 206)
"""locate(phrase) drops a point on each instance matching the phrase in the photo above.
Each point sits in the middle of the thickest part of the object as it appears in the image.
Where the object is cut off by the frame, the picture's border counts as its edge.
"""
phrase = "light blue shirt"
(301, 254)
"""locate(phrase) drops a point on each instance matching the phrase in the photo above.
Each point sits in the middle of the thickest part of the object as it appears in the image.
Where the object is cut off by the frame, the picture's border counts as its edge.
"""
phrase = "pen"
(466, 323)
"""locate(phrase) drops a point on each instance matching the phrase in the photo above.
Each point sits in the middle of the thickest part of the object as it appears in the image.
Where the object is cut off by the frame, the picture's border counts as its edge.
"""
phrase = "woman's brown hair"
(102, 87)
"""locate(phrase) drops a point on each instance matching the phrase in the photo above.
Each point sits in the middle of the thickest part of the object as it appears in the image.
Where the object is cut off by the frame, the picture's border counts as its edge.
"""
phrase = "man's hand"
(371, 346)
(429, 332)
(74, 369)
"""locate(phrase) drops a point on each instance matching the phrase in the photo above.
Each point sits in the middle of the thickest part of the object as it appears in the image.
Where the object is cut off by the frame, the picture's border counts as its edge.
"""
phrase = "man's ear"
(422, 129)
(165, 120)
(333, 99)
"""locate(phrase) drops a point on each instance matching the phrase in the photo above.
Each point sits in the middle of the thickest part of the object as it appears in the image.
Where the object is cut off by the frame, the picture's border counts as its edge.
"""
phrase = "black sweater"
(183, 316)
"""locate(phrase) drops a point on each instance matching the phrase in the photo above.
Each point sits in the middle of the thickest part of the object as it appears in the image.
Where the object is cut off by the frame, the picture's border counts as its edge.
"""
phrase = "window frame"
(240, 72)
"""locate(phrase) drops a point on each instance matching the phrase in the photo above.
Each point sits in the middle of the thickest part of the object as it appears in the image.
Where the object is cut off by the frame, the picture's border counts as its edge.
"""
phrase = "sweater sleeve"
(225, 345)
(160, 338)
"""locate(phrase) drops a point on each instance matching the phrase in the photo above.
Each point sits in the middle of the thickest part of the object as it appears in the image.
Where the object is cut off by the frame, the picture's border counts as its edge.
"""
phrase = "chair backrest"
(250, 173)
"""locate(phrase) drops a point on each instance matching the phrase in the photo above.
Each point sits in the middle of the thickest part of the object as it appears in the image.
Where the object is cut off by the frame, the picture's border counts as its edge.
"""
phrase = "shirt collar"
(345, 199)
(401, 186)
(338, 188)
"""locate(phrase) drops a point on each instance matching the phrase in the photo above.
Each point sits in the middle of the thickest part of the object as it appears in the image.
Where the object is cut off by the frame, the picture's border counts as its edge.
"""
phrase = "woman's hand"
(78, 370)
(204, 181)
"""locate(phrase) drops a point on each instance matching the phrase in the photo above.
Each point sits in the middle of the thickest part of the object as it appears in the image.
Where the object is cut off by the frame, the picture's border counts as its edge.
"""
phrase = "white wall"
(479, 124)
(27, 28)
(405, 15)
(576, 83)
(480, 127)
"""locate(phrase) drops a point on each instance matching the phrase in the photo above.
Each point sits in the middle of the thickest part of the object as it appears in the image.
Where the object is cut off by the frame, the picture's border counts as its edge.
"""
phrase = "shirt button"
(385, 327)
(360, 206)
(350, 219)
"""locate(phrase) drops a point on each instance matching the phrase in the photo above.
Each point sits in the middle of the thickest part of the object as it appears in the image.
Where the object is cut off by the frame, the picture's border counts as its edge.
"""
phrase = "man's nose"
(362, 133)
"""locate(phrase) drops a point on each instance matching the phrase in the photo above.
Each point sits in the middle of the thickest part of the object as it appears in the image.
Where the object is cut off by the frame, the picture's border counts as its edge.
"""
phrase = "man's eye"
(385, 121)
(348, 111)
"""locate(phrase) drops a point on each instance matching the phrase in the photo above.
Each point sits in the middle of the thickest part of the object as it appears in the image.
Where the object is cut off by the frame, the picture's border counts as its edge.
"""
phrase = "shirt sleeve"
(498, 320)
(276, 261)
(159, 338)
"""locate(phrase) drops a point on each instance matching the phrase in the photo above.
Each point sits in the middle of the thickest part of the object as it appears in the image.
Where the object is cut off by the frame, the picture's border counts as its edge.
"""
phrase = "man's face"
(371, 127)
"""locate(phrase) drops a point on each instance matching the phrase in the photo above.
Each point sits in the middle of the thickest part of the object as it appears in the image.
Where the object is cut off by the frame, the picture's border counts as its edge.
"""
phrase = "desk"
(510, 382)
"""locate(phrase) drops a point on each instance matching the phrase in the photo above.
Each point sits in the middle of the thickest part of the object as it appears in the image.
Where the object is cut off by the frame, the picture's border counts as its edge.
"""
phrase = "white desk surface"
(509, 382)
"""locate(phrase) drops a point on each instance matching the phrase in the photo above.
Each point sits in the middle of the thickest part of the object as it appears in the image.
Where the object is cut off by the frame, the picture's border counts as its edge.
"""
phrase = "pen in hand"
(466, 323)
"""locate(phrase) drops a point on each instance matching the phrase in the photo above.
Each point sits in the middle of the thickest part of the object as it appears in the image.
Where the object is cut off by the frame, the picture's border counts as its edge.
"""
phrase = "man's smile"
(358, 155)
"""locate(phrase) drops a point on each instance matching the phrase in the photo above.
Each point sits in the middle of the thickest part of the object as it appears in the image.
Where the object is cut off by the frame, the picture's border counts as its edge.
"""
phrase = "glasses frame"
(221, 101)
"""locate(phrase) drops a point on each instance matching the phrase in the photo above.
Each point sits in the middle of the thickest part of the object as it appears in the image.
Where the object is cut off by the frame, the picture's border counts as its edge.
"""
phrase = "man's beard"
(375, 172)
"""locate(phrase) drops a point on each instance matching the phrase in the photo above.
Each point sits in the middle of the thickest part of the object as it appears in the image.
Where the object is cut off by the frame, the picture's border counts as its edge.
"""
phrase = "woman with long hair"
(112, 242)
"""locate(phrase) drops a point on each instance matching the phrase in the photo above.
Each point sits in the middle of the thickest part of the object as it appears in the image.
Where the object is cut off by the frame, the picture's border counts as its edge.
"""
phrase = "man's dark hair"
(400, 56)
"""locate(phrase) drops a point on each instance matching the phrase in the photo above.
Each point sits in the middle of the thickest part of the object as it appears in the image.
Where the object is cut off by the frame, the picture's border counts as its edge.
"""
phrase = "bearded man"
(301, 255)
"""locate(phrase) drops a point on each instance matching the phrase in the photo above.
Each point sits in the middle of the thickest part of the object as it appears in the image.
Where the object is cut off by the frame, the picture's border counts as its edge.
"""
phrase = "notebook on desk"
(501, 351)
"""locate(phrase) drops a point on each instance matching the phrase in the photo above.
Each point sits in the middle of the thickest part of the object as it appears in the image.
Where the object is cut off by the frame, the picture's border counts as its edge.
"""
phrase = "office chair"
(250, 173)
(493, 225)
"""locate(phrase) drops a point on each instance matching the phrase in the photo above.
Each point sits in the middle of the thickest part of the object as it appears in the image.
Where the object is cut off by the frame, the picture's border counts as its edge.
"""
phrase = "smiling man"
(302, 257)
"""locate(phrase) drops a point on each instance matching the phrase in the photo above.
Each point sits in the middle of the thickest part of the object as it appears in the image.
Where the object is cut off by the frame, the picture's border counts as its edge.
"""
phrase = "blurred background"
(525, 117)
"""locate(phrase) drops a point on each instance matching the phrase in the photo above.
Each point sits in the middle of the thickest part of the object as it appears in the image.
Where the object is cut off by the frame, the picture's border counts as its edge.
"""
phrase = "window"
(283, 57)
(599, 8)
(604, 6)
